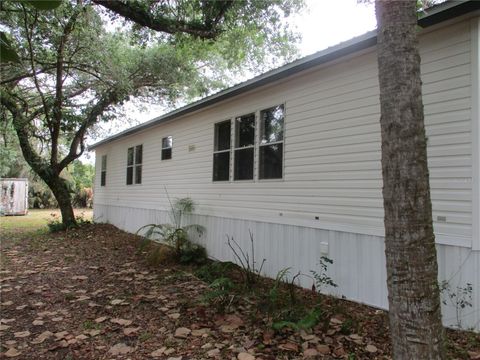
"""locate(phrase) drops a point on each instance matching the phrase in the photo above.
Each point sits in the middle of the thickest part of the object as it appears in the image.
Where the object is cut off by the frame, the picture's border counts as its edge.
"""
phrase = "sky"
(326, 22)
(323, 23)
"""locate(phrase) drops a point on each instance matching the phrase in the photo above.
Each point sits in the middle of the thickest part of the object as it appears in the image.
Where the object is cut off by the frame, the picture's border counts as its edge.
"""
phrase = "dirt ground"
(88, 293)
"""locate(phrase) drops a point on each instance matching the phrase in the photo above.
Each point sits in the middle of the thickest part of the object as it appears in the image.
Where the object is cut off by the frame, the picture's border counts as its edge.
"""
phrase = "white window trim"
(256, 146)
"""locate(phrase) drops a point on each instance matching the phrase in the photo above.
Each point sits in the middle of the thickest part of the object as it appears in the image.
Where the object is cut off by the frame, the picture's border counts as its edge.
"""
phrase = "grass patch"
(34, 223)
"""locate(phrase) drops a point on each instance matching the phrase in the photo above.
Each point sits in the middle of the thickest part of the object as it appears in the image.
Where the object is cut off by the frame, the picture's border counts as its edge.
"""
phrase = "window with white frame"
(221, 151)
(244, 152)
(103, 171)
(167, 144)
(247, 165)
(134, 164)
(270, 146)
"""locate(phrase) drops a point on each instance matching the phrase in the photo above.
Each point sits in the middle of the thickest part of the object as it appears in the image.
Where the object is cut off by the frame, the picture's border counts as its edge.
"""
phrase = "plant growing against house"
(177, 234)
(308, 321)
(220, 293)
(213, 270)
(321, 277)
(282, 305)
(283, 280)
(295, 315)
(250, 269)
(460, 297)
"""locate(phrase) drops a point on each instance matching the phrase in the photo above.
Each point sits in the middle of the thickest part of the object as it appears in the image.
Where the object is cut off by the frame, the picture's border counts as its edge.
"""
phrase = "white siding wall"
(332, 149)
(300, 248)
(332, 171)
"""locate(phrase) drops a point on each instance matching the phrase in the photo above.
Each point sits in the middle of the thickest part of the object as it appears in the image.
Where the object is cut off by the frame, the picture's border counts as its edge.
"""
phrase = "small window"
(221, 152)
(271, 143)
(103, 173)
(244, 147)
(167, 143)
(134, 164)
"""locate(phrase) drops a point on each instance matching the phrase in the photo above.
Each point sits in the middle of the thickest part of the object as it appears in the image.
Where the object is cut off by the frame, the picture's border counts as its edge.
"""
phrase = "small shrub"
(80, 219)
(458, 297)
(55, 224)
(176, 234)
(321, 277)
(274, 293)
(214, 270)
(306, 322)
(285, 309)
(220, 293)
(159, 254)
(193, 254)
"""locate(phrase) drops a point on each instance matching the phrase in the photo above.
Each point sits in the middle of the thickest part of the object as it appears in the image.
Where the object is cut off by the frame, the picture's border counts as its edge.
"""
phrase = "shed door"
(19, 196)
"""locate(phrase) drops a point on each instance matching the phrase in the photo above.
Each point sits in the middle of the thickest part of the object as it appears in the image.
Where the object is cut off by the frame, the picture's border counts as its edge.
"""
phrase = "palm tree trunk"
(413, 292)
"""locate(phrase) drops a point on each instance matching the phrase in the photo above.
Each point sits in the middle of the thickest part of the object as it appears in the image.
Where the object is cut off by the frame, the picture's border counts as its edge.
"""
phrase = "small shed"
(14, 196)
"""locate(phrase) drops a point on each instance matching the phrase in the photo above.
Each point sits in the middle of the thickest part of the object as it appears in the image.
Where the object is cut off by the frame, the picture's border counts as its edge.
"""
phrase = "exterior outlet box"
(324, 248)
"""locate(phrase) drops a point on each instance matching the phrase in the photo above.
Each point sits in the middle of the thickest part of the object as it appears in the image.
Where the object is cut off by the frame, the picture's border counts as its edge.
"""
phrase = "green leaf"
(45, 4)
(279, 325)
(309, 320)
(7, 52)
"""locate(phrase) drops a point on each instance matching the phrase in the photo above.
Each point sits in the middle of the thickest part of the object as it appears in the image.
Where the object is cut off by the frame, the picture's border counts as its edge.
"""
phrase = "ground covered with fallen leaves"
(89, 293)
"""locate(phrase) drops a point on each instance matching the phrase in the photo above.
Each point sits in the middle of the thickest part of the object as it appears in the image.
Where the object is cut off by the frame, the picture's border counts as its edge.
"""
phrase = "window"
(244, 147)
(134, 165)
(167, 143)
(271, 143)
(103, 173)
(256, 155)
(221, 151)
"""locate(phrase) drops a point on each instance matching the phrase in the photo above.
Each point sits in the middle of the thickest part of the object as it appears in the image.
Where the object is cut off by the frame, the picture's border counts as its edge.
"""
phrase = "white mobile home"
(294, 156)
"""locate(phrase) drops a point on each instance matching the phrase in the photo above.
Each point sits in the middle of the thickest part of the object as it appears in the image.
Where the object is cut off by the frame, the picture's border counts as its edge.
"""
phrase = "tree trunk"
(43, 169)
(413, 292)
(62, 195)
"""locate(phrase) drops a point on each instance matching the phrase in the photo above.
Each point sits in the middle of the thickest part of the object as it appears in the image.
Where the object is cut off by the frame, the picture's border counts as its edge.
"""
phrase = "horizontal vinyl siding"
(446, 75)
(332, 168)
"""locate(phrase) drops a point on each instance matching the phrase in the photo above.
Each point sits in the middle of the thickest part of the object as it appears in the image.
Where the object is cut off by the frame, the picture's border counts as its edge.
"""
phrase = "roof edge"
(438, 13)
(355, 44)
(445, 11)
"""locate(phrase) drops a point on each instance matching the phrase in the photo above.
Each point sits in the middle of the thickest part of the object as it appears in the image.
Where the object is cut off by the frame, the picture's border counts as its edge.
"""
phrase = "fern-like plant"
(176, 233)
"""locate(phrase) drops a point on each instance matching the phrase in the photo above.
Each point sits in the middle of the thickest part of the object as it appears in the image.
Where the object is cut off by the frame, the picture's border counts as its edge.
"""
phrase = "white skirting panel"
(359, 260)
